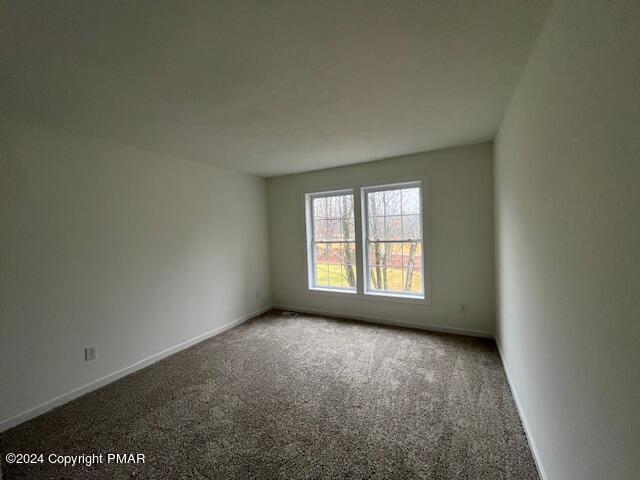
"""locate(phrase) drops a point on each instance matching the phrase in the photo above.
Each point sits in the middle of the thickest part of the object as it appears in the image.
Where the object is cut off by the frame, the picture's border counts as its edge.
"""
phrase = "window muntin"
(333, 242)
(394, 253)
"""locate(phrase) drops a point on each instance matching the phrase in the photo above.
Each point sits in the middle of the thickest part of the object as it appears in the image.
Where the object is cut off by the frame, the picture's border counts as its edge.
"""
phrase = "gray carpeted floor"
(292, 398)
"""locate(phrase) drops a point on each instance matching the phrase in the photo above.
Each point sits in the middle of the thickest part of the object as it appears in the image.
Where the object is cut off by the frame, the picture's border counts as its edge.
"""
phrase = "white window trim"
(365, 240)
(361, 280)
(311, 258)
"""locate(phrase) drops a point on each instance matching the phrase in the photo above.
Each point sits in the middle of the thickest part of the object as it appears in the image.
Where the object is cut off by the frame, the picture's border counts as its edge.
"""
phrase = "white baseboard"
(523, 419)
(384, 321)
(112, 377)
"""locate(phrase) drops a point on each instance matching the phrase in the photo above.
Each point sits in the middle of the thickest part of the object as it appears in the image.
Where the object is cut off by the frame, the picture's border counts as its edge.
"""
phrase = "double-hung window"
(332, 241)
(389, 246)
(394, 262)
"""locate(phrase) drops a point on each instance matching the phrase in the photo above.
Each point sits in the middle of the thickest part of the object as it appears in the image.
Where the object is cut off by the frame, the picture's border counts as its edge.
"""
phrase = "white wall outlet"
(89, 354)
(257, 295)
(462, 307)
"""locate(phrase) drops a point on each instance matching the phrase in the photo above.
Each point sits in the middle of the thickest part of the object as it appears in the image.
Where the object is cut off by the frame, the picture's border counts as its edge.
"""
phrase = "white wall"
(128, 250)
(459, 203)
(568, 241)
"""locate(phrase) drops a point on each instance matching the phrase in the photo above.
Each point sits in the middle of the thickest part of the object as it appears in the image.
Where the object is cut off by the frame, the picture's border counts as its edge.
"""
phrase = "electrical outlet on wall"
(257, 295)
(89, 354)
(462, 307)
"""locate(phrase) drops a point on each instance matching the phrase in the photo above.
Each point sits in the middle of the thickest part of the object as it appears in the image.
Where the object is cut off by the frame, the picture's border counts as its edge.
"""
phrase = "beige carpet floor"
(296, 398)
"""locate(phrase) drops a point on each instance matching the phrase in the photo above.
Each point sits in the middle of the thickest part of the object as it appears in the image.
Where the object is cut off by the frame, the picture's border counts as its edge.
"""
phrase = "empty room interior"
(320, 239)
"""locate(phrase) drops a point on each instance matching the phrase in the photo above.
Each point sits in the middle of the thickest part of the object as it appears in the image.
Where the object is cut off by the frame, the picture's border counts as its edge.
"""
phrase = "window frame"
(357, 189)
(364, 205)
(311, 241)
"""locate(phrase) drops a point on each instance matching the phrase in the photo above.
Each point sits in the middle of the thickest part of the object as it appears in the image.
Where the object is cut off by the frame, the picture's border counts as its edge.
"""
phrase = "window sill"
(395, 295)
(390, 297)
(332, 291)
(370, 296)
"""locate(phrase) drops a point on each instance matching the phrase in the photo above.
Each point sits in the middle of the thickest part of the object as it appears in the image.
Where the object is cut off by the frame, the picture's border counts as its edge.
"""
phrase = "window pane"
(386, 278)
(341, 264)
(349, 275)
(346, 206)
(377, 253)
(410, 201)
(333, 207)
(393, 230)
(392, 202)
(411, 227)
(394, 255)
(395, 281)
(335, 270)
(335, 275)
(334, 229)
(412, 255)
(412, 262)
(322, 275)
(349, 253)
(347, 228)
(385, 266)
(320, 207)
(375, 203)
(377, 228)
(413, 281)
(335, 265)
(335, 253)
(321, 253)
(321, 230)
(375, 278)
